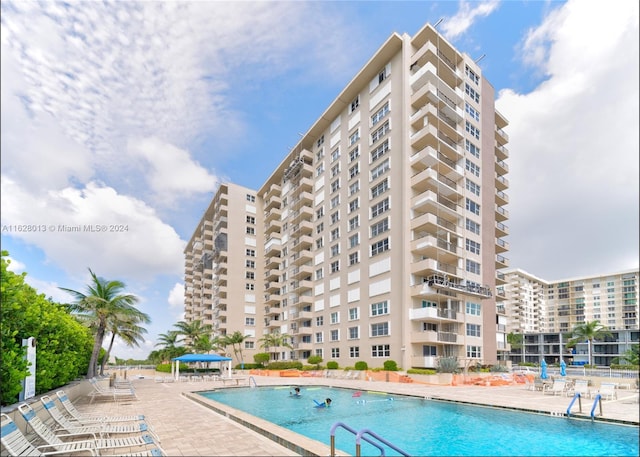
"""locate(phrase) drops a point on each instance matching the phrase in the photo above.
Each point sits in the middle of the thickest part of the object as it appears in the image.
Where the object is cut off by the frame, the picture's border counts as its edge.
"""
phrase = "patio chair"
(538, 383)
(88, 419)
(72, 425)
(92, 442)
(110, 393)
(16, 444)
(581, 386)
(608, 391)
(557, 388)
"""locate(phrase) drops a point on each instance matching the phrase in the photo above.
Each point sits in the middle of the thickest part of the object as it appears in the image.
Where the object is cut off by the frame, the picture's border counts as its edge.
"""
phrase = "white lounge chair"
(608, 391)
(581, 386)
(93, 442)
(16, 444)
(73, 412)
(557, 388)
(111, 392)
(103, 428)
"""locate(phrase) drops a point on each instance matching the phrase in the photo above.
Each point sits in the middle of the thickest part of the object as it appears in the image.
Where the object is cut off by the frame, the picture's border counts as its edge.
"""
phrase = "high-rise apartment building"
(381, 234)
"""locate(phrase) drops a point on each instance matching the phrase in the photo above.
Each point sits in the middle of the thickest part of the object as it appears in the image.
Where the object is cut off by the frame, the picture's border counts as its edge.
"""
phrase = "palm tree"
(102, 301)
(235, 340)
(192, 331)
(168, 342)
(589, 331)
(127, 328)
(275, 339)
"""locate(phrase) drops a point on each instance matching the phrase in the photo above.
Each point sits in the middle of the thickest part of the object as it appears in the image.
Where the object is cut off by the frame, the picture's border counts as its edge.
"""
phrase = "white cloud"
(176, 301)
(456, 25)
(574, 144)
(136, 243)
(14, 265)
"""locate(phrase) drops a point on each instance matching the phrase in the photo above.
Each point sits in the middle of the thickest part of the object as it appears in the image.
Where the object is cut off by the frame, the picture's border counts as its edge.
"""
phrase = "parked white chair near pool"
(608, 391)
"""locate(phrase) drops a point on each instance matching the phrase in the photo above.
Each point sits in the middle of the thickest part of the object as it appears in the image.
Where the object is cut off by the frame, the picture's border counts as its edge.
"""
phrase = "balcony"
(501, 198)
(502, 153)
(273, 202)
(501, 214)
(430, 223)
(303, 271)
(430, 179)
(273, 227)
(501, 137)
(501, 230)
(501, 245)
(431, 247)
(305, 213)
(273, 246)
(272, 299)
(501, 262)
(273, 214)
(429, 157)
(301, 315)
(502, 183)
(431, 202)
(501, 167)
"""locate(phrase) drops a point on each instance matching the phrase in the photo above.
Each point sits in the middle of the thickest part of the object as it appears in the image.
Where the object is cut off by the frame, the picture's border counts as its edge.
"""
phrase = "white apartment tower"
(381, 234)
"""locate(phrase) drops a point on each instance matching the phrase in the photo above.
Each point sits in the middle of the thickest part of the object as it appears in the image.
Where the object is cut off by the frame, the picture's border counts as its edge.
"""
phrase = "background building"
(381, 233)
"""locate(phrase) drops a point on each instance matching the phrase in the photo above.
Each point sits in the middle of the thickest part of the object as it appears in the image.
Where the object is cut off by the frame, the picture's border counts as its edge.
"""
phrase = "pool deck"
(187, 428)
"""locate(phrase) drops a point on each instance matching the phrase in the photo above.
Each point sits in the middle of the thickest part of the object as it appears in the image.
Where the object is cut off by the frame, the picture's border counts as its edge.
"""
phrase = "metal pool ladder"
(360, 435)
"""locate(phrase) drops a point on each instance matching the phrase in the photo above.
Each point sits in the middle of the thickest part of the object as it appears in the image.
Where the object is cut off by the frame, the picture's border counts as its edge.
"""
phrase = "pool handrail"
(355, 432)
(598, 400)
(361, 433)
(579, 397)
(251, 378)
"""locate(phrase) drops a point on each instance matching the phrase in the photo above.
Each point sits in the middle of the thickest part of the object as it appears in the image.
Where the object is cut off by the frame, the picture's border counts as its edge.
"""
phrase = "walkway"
(189, 429)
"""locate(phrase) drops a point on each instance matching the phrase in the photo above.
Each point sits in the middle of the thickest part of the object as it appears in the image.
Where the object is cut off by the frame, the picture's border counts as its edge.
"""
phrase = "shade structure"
(186, 358)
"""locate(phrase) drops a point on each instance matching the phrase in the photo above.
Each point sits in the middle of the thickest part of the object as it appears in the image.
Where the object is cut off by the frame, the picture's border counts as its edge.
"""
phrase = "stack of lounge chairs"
(70, 432)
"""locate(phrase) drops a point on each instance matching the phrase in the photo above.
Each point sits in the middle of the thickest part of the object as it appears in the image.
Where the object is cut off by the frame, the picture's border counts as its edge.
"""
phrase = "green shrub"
(421, 371)
(390, 365)
(499, 369)
(448, 365)
(248, 366)
(315, 360)
(261, 358)
(285, 365)
(362, 365)
(617, 366)
(332, 365)
(311, 367)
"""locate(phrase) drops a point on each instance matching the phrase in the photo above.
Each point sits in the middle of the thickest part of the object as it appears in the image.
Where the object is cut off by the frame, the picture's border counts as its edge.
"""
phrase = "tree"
(235, 340)
(315, 360)
(127, 328)
(102, 301)
(192, 331)
(169, 349)
(590, 332)
(275, 339)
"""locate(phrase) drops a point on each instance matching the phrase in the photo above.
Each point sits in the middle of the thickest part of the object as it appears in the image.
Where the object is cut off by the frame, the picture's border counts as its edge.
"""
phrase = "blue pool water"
(426, 427)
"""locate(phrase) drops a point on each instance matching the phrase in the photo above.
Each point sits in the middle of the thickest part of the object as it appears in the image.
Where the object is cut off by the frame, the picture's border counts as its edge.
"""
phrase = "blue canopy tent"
(199, 358)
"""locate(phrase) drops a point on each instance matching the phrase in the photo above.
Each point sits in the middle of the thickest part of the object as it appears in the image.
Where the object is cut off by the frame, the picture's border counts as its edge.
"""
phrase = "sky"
(126, 116)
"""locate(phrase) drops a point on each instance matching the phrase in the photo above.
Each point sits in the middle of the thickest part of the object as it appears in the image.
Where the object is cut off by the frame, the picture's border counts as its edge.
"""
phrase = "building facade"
(546, 312)
(381, 234)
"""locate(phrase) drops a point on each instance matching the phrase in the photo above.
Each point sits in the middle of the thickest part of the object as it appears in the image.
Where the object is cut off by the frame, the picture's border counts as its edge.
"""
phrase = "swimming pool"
(428, 427)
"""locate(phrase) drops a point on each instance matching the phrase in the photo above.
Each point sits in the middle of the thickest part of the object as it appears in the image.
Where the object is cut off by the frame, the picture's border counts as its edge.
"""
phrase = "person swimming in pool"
(296, 392)
(324, 404)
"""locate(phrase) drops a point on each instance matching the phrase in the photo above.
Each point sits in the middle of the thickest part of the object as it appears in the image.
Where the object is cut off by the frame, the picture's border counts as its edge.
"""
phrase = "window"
(319, 243)
(249, 321)
(354, 333)
(380, 188)
(379, 151)
(354, 104)
(354, 187)
(319, 337)
(355, 136)
(354, 258)
(335, 233)
(320, 169)
(472, 130)
(473, 309)
(319, 154)
(251, 252)
(335, 353)
(429, 351)
(319, 321)
(474, 352)
(379, 247)
(354, 171)
(475, 114)
(251, 231)
(381, 329)
(380, 169)
(249, 275)
(335, 335)
(472, 187)
(354, 240)
(249, 345)
(354, 222)
(319, 212)
(354, 205)
(354, 154)
(335, 185)
(472, 148)
(473, 226)
(380, 350)
(473, 267)
(380, 207)
(320, 141)
(473, 330)
(354, 352)
(251, 220)
(472, 167)
(335, 250)
(335, 155)
(380, 227)
(475, 96)
(250, 264)
(380, 114)
(320, 227)
(380, 308)
(380, 132)
(335, 170)
(471, 75)
(473, 207)
(335, 217)
(251, 198)
(319, 274)
(249, 286)
(335, 317)
(335, 201)
(354, 313)
(335, 266)
(472, 246)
